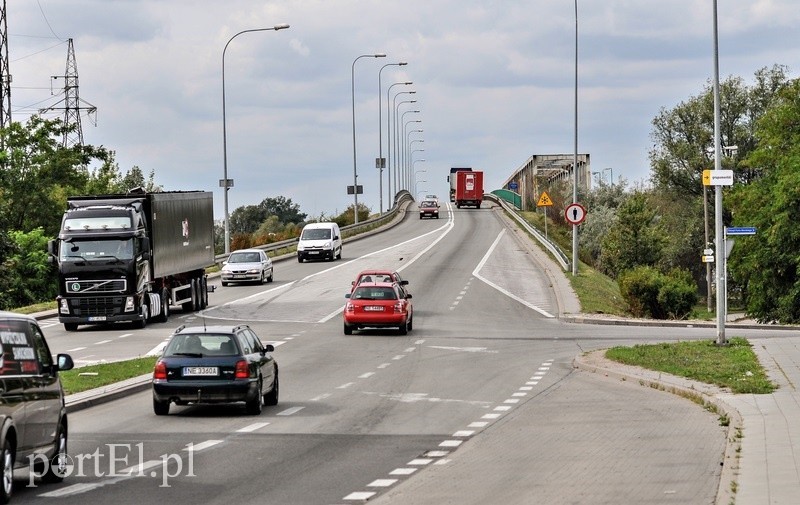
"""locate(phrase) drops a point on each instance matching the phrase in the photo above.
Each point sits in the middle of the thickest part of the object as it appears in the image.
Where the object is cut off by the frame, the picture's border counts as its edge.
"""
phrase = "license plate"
(200, 370)
(97, 318)
(239, 276)
(373, 308)
(313, 252)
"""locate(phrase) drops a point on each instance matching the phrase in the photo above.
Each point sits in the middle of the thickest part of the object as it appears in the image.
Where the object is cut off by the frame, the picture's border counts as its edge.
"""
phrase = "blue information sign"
(512, 186)
(747, 230)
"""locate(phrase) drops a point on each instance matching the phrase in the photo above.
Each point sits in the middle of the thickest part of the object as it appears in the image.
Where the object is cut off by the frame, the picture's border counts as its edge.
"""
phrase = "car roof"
(219, 328)
(15, 315)
(376, 272)
(252, 249)
(377, 285)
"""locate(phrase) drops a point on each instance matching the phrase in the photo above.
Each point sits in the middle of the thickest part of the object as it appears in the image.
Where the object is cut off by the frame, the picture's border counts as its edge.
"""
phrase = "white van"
(320, 241)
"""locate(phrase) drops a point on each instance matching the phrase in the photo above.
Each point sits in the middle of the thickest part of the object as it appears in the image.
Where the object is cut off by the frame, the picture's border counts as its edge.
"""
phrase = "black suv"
(33, 418)
(215, 364)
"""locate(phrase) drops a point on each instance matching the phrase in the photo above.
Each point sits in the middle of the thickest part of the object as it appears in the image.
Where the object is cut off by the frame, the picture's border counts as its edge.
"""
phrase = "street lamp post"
(611, 179)
(379, 161)
(409, 163)
(409, 173)
(404, 149)
(397, 135)
(575, 155)
(422, 171)
(389, 138)
(225, 182)
(353, 99)
(415, 187)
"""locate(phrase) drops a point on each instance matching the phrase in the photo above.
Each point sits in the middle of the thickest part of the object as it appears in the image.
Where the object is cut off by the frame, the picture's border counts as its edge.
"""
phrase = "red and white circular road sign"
(575, 213)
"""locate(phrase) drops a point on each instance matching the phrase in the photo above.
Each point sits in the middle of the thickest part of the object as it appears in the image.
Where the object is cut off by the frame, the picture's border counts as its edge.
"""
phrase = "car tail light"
(350, 307)
(242, 370)
(160, 371)
(399, 306)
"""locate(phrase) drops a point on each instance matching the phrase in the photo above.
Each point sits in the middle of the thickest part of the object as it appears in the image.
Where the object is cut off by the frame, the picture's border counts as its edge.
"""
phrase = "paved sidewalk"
(762, 460)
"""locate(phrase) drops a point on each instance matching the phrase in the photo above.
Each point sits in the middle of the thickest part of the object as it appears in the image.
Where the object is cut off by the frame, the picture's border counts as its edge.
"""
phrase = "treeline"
(650, 238)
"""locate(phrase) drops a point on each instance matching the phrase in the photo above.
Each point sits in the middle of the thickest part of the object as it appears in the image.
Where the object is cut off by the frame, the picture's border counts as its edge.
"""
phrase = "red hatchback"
(378, 305)
(377, 275)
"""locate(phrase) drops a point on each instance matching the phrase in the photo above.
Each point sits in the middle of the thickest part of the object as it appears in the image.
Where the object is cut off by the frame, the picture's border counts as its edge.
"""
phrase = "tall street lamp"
(226, 183)
(379, 163)
(403, 147)
(353, 98)
(397, 134)
(411, 165)
(409, 144)
(575, 155)
(389, 138)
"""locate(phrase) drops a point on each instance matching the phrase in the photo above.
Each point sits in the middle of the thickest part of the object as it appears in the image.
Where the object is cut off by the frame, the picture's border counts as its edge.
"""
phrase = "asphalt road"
(478, 404)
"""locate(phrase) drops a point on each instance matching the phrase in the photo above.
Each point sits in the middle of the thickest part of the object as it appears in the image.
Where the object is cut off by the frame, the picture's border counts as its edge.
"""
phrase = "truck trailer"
(131, 257)
(469, 189)
(452, 180)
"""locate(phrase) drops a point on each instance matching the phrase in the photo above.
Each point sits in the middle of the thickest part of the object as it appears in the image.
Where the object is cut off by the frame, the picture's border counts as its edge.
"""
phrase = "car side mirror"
(347, 295)
(269, 348)
(408, 296)
(65, 362)
(404, 283)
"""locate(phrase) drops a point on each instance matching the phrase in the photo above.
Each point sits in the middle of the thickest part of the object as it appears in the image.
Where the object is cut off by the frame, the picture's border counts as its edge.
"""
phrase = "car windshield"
(201, 344)
(248, 257)
(316, 234)
(428, 204)
(374, 293)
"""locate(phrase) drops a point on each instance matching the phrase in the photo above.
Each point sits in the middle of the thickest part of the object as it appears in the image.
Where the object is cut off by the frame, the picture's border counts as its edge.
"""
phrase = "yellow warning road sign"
(544, 200)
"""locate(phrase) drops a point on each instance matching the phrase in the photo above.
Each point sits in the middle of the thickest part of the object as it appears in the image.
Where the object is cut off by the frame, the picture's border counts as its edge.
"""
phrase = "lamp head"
(281, 26)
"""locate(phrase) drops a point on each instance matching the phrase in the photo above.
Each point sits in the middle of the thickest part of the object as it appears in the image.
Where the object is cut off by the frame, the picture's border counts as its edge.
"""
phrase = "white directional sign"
(718, 177)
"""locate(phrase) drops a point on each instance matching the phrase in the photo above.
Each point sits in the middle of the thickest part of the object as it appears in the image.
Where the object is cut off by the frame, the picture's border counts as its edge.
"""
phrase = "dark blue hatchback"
(215, 364)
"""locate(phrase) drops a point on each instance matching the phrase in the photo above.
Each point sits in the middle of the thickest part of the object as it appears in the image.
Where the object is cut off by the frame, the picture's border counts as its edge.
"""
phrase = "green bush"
(639, 288)
(650, 293)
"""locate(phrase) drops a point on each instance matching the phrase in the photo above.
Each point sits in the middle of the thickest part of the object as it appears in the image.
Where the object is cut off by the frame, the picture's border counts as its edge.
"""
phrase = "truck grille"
(90, 307)
(97, 286)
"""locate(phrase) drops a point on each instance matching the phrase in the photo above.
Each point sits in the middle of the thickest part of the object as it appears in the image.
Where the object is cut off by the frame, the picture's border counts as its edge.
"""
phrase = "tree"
(767, 266)
(684, 136)
(636, 239)
(247, 219)
(37, 174)
(35, 279)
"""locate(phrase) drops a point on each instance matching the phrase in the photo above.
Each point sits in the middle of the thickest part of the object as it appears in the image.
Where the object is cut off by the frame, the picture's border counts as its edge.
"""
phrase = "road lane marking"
(289, 412)
(366, 375)
(382, 483)
(202, 445)
(360, 496)
(102, 342)
(320, 397)
(402, 471)
(345, 386)
(251, 428)
(509, 294)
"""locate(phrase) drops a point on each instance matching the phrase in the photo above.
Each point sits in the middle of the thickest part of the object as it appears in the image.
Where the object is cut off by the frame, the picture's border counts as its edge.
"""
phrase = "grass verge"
(734, 366)
(102, 374)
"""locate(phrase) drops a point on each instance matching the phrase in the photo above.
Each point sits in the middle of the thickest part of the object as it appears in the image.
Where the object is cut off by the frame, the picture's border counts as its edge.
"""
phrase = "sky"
(493, 81)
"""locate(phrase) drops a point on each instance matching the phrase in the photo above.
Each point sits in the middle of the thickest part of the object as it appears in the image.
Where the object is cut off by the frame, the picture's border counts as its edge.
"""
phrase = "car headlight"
(328, 245)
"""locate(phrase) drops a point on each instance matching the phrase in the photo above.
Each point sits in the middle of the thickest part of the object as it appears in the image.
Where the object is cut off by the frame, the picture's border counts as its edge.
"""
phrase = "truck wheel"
(142, 323)
(164, 316)
(190, 306)
(204, 291)
(71, 326)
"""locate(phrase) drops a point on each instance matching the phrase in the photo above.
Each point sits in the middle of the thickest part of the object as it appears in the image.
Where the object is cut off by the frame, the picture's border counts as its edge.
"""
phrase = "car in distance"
(378, 305)
(215, 364)
(247, 265)
(428, 208)
(378, 275)
(33, 418)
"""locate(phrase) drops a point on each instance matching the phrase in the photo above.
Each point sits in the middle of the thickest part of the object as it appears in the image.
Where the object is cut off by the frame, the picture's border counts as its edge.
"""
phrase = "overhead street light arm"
(225, 180)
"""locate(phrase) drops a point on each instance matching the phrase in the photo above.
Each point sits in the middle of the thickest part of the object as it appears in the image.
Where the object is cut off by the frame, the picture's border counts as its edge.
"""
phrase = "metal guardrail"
(551, 246)
(402, 199)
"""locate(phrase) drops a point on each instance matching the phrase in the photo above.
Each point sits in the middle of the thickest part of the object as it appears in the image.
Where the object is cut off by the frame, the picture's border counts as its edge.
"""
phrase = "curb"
(701, 393)
(98, 396)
